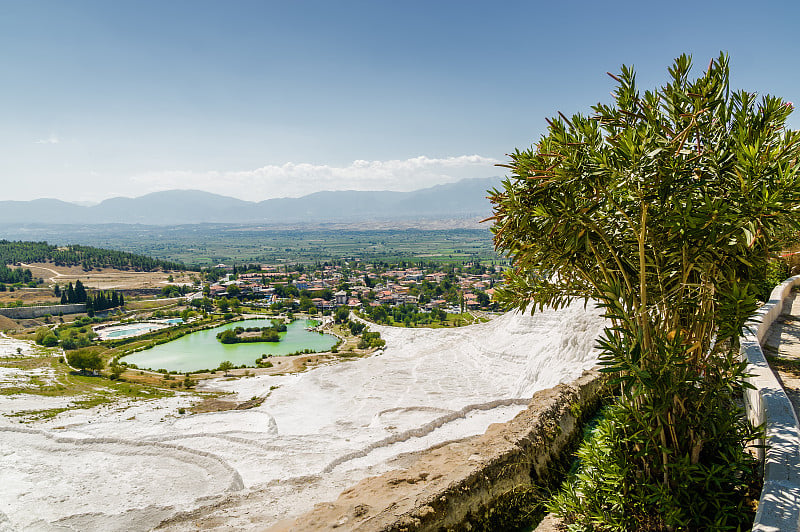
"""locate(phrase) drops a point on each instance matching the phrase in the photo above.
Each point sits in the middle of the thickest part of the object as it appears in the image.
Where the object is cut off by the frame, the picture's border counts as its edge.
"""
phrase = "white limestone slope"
(316, 433)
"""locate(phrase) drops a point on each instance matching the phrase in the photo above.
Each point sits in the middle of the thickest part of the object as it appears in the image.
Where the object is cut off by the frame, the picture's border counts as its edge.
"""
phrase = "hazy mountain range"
(463, 199)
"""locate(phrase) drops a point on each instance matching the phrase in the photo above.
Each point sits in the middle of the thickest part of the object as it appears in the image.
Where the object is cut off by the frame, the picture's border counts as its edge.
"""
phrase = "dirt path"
(31, 267)
(782, 347)
(109, 278)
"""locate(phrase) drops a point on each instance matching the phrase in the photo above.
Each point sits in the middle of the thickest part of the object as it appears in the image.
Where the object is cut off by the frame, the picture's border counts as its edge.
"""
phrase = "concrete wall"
(779, 505)
(37, 312)
(455, 486)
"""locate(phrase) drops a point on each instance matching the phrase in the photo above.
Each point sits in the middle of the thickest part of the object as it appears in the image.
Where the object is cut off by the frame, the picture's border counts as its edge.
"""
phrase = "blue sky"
(270, 99)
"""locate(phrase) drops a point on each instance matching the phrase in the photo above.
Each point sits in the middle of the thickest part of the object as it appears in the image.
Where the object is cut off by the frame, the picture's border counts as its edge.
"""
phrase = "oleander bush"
(665, 208)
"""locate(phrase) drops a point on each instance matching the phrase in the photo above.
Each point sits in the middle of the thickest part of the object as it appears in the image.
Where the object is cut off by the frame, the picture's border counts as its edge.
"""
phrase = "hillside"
(86, 256)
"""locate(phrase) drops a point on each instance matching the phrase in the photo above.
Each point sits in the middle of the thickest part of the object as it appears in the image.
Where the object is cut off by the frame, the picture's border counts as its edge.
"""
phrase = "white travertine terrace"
(131, 466)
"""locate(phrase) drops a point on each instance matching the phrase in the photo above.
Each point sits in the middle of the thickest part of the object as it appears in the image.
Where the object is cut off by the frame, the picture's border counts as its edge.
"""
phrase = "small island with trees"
(241, 335)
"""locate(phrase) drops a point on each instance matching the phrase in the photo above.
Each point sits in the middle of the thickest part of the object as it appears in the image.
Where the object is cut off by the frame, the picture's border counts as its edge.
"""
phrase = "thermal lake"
(201, 349)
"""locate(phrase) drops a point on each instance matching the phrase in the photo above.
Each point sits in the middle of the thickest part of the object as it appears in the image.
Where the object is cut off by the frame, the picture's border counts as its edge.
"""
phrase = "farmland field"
(204, 245)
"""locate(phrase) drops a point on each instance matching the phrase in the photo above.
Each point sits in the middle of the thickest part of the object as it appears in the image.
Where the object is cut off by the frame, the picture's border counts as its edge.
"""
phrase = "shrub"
(228, 336)
(117, 371)
(225, 367)
(664, 207)
(85, 360)
(69, 343)
(50, 340)
(608, 493)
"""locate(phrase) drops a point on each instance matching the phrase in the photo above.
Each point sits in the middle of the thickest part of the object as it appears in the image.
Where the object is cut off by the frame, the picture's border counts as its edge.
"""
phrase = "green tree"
(233, 290)
(664, 208)
(80, 292)
(483, 299)
(40, 334)
(380, 314)
(226, 366)
(371, 339)
(228, 336)
(116, 371)
(270, 335)
(342, 314)
(46, 337)
(69, 343)
(50, 340)
(85, 360)
(305, 303)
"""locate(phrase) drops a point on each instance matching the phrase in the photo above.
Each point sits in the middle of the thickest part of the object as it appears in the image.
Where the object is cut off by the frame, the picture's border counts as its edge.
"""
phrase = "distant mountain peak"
(460, 199)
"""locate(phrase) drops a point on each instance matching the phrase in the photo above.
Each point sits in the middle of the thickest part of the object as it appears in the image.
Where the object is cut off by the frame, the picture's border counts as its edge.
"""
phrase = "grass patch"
(149, 304)
(85, 391)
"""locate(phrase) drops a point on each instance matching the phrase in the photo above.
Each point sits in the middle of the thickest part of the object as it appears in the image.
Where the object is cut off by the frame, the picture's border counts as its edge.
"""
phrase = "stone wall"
(38, 312)
(458, 485)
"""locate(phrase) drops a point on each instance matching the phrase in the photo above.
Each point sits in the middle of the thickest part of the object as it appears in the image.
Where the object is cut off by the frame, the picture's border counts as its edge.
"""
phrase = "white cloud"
(52, 139)
(299, 179)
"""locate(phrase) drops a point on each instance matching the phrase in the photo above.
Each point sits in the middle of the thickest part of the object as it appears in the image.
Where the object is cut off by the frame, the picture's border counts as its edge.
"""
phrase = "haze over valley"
(464, 200)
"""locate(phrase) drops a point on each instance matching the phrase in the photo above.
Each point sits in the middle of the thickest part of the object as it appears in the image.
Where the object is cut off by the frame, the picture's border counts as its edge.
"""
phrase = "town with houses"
(366, 287)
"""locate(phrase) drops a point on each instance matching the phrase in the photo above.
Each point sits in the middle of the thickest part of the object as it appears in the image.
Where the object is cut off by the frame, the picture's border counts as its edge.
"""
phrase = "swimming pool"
(135, 329)
(132, 330)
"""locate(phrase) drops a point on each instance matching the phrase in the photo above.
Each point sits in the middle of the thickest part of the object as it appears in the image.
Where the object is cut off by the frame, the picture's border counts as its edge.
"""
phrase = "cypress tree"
(80, 292)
